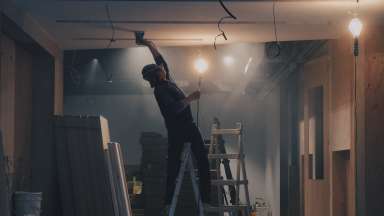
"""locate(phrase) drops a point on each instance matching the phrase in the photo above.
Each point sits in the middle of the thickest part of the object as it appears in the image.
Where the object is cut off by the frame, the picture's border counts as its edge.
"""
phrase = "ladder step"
(229, 182)
(211, 170)
(224, 156)
(226, 208)
(226, 131)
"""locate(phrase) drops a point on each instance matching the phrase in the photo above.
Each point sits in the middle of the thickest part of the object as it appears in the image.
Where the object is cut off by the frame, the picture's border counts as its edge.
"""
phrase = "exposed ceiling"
(194, 22)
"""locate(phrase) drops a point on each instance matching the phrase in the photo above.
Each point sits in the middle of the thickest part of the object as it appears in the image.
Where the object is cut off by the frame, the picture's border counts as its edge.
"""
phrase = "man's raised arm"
(156, 55)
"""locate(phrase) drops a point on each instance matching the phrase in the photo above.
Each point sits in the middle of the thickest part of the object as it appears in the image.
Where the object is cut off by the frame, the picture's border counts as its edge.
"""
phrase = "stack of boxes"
(154, 172)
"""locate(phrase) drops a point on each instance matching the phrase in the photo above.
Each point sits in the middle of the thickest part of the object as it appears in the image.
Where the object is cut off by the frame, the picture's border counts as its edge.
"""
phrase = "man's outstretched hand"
(194, 96)
(143, 42)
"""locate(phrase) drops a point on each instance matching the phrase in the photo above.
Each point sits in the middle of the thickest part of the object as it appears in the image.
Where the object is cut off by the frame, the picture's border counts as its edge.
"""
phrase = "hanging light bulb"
(355, 27)
(201, 65)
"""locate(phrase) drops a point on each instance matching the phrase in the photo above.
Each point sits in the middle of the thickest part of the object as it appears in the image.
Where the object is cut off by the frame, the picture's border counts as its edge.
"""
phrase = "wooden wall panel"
(7, 97)
(317, 192)
(374, 185)
(342, 94)
(342, 127)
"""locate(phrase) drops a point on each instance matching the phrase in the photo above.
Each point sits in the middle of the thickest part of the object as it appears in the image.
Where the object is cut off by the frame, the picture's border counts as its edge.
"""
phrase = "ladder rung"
(226, 208)
(228, 182)
(211, 171)
(226, 131)
(224, 156)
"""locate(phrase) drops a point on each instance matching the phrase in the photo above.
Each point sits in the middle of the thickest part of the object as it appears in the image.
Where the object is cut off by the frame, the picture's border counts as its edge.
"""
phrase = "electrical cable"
(222, 32)
(275, 29)
(355, 104)
(112, 26)
(226, 10)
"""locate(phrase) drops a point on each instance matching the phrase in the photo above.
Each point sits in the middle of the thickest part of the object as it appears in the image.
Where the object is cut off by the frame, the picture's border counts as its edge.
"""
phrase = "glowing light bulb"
(201, 65)
(228, 60)
(355, 27)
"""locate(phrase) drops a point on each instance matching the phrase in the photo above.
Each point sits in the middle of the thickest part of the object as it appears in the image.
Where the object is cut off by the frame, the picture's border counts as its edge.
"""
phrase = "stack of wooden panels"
(87, 171)
(4, 201)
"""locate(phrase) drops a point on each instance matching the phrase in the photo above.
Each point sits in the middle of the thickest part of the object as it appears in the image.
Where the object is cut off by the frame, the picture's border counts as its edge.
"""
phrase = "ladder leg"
(246, 189)
(218, 177)
(239, 180)
(196, 190)
(179, 180)
(238, 172)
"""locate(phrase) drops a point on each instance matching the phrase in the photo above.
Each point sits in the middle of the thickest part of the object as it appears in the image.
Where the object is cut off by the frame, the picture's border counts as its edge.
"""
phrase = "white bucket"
(27, 204)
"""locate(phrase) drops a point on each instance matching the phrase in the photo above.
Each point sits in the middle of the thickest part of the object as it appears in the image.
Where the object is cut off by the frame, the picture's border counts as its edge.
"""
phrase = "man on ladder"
(176, 111)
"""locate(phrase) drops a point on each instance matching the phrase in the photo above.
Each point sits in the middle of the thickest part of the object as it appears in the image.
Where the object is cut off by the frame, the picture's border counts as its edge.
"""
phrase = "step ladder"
(215, 157)
(186, 164)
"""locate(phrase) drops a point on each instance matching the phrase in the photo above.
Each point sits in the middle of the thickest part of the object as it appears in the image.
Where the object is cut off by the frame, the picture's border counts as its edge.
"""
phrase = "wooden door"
(316, 160)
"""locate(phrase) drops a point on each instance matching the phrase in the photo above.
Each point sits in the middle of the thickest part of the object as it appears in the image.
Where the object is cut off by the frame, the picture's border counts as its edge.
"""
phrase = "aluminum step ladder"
(186, 164)
(215, 157)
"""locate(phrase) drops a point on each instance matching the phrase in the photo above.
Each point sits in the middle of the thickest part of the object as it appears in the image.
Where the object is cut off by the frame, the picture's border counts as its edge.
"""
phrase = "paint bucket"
(27, 204)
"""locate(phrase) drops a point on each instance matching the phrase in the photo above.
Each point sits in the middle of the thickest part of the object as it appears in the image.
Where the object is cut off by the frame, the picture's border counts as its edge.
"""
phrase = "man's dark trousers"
(177, 136)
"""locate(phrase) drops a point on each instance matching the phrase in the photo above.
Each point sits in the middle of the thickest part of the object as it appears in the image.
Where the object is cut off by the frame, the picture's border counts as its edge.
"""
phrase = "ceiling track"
(189, 1)
(133, 39)
(164, 22)
(197, 1)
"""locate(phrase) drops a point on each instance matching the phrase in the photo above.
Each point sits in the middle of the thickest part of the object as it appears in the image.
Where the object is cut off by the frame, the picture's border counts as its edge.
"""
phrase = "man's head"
(153, 74)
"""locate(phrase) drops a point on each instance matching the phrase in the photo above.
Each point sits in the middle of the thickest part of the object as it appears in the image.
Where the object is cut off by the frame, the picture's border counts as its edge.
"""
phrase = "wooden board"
(81, 144)
(119, 179)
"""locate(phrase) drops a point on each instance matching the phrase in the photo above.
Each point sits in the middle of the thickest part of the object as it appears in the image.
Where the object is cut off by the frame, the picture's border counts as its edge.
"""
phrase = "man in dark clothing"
(176, 110)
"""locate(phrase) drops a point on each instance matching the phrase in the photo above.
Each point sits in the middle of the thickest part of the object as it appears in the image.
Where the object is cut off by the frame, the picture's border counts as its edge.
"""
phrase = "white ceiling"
(296, 20)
